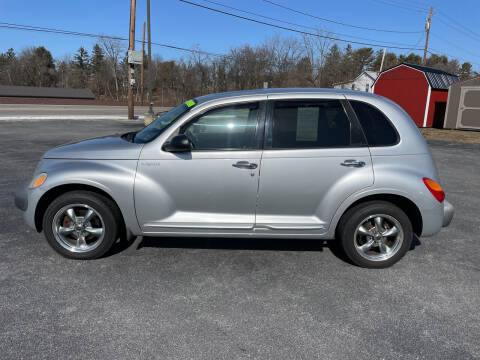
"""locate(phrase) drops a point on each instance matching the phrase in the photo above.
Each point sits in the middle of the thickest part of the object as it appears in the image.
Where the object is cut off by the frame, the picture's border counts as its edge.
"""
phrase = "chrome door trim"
(224, 226)
(290, 227)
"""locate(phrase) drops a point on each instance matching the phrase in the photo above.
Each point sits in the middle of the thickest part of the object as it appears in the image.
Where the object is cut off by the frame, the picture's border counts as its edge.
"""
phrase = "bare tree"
(37, 67)
(113, 50)
(64, 72)
(284, 54)
(310, 61)
(316, 49)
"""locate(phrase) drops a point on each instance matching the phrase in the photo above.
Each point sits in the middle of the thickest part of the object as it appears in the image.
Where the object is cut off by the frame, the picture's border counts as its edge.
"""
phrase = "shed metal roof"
(438, 79)
(475, 81)
(45, 92)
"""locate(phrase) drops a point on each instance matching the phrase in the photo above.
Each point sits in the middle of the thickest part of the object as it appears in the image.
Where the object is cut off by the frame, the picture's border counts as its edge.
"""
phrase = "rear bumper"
(448, 211)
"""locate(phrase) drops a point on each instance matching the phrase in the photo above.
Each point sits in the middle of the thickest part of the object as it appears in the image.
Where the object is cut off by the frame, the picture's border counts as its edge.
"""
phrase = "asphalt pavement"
(192, 298)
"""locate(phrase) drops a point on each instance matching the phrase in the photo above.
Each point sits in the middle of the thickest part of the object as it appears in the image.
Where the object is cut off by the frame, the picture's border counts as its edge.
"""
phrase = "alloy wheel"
(378, 237)
(78, 228)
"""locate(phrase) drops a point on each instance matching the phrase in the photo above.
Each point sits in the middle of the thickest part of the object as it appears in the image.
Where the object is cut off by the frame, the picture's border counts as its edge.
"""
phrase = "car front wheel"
(375, 234)
(81, 224)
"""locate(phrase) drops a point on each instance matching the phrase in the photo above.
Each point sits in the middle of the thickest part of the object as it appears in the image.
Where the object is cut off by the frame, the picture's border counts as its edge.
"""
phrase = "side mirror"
(179, 143)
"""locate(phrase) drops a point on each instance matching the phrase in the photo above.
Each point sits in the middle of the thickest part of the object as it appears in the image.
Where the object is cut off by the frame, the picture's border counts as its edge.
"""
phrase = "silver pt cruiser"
(276, 163)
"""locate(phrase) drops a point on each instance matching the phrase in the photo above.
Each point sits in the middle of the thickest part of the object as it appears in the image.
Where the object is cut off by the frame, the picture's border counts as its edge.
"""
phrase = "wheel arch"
(56, 191)
(408, 206)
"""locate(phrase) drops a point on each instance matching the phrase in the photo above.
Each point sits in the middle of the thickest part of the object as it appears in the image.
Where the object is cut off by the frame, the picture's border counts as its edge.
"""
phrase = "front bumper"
(26, 200)
(21, 196)
(448, 211)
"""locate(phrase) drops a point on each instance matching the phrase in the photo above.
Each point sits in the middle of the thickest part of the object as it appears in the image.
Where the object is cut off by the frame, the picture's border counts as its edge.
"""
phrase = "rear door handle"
(245, 165)
(353, 163)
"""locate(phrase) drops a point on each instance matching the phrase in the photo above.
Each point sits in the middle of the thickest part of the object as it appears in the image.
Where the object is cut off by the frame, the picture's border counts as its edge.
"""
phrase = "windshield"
(158, 126)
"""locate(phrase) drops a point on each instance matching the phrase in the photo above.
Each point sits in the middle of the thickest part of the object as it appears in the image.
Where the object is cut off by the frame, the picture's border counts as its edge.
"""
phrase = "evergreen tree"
(38, 67)
(346, 65)
(410, 58)
(98, 68)
(332, 70)
(81, 62)
(362, 59)
(81, 59)
(97, 60)
(7, 61)
(7, 56)
(465, 71)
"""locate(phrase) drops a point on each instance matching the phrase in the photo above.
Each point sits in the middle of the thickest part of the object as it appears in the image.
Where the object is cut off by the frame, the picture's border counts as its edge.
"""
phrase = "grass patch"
(464, 136)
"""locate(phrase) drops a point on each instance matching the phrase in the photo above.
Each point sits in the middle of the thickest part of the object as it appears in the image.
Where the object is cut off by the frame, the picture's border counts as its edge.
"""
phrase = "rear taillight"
(435, 189)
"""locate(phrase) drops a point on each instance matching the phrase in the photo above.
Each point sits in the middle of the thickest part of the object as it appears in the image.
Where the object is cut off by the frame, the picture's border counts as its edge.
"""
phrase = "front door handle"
(353, 163)
(245, 165)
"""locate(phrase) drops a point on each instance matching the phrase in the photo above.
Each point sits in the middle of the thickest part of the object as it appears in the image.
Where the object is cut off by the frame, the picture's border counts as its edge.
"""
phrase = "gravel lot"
(234, 298)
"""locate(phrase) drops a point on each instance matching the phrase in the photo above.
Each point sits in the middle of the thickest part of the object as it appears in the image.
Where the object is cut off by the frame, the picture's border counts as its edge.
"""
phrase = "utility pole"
(427, 29)
(143, 64)
(149, 116)
(383, 59)
(131, 67)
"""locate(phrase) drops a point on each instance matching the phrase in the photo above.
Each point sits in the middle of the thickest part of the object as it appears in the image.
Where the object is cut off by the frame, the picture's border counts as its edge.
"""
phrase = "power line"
(295, 30)
(459, 24)
(454, 27)
(418, 7)
(412, 4)
(308, 33)
(418, 3)
(102, 36)
(340, 23)
(419, 40)
(398, 5)
(98, 36)
(441, 53)
(302, 26)
(455, 45)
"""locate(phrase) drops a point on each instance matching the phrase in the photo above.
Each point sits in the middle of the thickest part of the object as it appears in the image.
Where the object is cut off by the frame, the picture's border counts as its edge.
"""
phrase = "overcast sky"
(454, 30)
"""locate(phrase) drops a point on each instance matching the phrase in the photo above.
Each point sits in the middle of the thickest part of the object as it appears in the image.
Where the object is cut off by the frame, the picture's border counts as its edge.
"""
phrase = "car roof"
(292, 91)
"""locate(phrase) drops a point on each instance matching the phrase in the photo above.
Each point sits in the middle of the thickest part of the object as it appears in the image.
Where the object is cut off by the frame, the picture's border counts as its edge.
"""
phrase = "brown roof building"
(463, 105)
(45, 92)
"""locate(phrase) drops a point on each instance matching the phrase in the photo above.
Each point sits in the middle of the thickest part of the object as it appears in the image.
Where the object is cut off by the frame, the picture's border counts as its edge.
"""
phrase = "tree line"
(281, 62)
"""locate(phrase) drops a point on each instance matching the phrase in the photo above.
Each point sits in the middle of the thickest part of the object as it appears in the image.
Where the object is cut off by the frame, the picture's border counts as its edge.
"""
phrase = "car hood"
(105, 148)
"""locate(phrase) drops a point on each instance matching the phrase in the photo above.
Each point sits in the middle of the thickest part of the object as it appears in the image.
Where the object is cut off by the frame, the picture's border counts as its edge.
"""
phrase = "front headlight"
(38, 180)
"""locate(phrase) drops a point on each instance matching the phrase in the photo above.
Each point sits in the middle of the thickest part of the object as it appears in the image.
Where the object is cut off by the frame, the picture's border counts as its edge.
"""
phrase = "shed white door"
(469, 109)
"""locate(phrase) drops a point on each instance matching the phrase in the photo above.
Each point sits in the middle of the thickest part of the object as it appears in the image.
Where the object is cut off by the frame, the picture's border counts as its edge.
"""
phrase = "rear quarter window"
(378, 130)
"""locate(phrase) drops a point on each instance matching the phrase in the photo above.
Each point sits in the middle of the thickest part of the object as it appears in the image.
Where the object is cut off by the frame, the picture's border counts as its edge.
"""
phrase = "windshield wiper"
(130, 136)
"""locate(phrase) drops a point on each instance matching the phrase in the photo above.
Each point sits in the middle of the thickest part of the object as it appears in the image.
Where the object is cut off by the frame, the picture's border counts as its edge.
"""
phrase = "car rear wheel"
(375, 234)
(81, 224)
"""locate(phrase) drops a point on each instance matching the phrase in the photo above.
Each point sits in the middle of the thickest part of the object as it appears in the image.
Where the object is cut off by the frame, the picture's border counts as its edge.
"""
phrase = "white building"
(362, 82)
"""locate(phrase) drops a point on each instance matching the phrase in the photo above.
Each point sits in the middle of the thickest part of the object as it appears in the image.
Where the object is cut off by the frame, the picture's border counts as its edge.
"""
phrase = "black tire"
(349, 222)
(106, 208)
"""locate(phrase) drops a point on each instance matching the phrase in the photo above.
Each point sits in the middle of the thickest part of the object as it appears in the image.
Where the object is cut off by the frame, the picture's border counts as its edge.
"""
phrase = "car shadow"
(415, 242)
(242, 244)
(236, 244)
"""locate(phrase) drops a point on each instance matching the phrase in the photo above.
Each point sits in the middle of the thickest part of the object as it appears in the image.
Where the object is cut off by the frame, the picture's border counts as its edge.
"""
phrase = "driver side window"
(227, 128)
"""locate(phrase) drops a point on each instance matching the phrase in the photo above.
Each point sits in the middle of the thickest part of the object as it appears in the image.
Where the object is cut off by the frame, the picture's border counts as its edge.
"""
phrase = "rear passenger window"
(309, 124)
(377, 128)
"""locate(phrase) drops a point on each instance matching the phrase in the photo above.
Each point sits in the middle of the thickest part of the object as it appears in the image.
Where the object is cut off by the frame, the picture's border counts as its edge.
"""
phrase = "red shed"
(421, 91)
